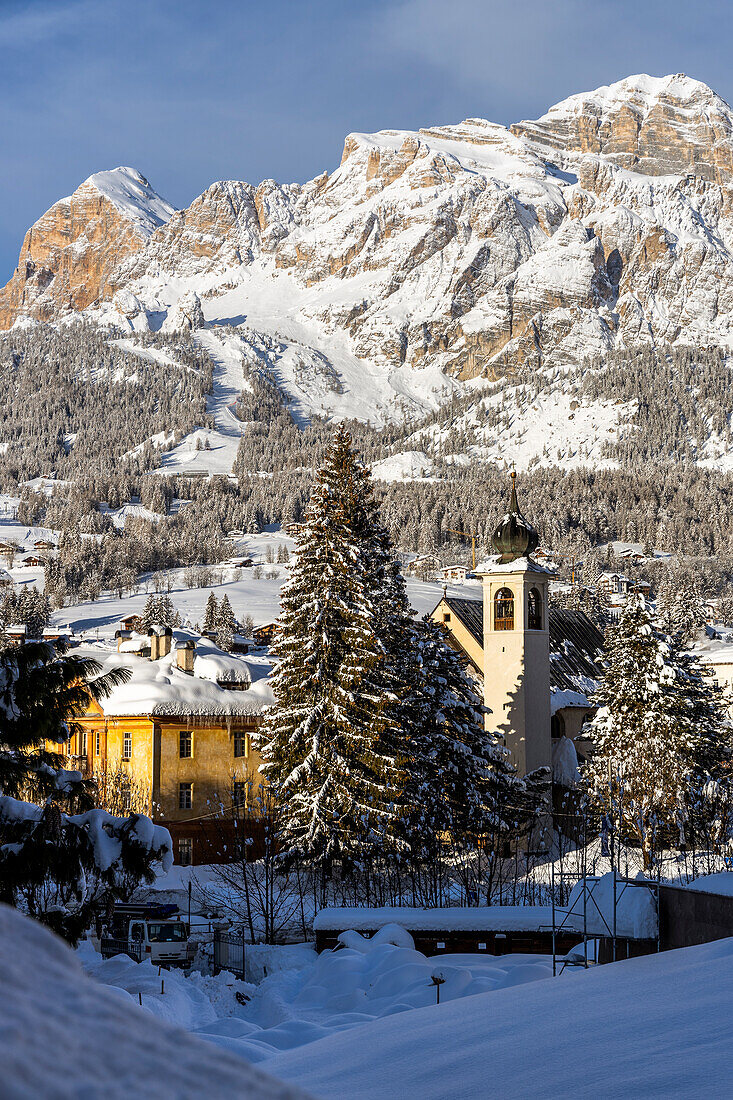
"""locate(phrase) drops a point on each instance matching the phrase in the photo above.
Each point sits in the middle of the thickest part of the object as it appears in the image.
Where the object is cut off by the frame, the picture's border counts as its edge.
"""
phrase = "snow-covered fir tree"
(654, 733)
(58, 853)
(226, 623)
(458, 778)
(211, 612)
(680, 604)
(329, 743)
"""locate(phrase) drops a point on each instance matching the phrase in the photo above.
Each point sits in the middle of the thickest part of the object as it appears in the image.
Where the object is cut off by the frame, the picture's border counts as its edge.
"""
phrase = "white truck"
(154, 932)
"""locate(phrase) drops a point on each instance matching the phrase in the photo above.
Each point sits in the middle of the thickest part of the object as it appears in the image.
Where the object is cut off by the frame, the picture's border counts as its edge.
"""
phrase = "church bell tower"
(516, 641)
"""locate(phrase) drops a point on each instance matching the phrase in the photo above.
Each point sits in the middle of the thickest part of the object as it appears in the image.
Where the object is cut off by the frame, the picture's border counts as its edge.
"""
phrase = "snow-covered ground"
(309, 996)
(259, 598)
(656, 1026)
(64, 1035)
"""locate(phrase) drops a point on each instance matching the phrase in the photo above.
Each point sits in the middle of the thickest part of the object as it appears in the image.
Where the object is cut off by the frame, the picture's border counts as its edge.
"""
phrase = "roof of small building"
(575, 646)
(161, 688)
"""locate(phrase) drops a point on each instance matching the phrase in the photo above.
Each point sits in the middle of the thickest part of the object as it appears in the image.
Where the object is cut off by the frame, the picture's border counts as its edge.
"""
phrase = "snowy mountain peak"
(133, 197)
(656, 125)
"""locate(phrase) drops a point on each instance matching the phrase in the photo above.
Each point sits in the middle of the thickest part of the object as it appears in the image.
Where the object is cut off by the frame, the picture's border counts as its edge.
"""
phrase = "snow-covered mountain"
(68, 256)
(427, 259)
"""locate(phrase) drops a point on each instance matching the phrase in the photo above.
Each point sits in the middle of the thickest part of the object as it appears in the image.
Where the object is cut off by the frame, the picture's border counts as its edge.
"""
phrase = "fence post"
(244, 968)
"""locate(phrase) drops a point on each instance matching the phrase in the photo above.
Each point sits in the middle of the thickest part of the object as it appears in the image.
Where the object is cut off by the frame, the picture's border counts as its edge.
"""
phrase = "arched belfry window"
(504, 609)
(534, 609)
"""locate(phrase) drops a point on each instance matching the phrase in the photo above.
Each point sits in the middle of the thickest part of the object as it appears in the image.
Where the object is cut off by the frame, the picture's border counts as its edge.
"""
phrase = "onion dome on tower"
(515, 537)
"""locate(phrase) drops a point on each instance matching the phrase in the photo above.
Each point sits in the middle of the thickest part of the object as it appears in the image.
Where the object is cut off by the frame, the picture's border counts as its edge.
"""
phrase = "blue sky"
(191, 91)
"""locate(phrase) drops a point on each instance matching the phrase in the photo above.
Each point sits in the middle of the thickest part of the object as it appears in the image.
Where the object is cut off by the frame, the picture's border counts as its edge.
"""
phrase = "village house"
(264, 635)
(614, 584)
(537, 664)
(423, 565)
(456, 573)
(181, 729)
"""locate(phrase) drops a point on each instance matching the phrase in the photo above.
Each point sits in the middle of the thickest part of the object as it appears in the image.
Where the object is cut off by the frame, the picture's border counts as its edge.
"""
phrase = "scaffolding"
(565, 920)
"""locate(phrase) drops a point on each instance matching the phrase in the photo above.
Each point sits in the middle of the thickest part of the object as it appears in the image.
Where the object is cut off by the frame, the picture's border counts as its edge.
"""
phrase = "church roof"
(575, 643)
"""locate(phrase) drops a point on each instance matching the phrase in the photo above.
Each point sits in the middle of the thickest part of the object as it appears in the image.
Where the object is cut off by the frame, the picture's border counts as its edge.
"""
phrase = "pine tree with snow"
(680, 604)
(647, 744)
(226, 623)
(58, 854)
(166, 611)
(458, 777)
(211, 614)
(150, 616)
(329, 743)
(709, 796)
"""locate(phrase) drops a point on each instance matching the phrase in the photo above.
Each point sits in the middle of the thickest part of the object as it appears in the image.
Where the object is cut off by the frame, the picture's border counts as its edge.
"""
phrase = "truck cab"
(149, 932)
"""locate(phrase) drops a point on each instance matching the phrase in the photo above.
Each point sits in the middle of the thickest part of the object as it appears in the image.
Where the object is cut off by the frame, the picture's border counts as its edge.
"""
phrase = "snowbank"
(653, 1026)
(302, 997)
(63, 1035)
(721, 883)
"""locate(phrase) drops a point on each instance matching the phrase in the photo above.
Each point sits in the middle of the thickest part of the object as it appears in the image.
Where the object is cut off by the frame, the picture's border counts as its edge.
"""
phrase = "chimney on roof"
(161, 640)
(185, 654)
(122, 636)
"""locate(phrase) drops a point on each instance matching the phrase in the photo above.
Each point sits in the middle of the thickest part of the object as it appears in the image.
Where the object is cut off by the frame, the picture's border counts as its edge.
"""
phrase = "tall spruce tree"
(680, 605)
(329, 745)
(226, 623)
(458, 777)
(656, 734)
(211, 614)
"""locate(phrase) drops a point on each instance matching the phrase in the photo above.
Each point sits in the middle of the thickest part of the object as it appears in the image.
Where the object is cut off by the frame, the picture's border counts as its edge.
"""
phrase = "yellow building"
(181, 729)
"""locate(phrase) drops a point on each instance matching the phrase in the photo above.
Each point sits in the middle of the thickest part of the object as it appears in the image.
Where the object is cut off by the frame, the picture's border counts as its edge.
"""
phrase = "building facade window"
(97, 741)
(504, 609)
(185, 744)
(126, 745)
(534, 609)
(185, 851)
(83, 743)
(185, 796)
(241, 744)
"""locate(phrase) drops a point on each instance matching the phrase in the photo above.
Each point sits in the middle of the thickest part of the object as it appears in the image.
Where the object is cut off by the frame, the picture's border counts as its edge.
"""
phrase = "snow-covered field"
(259, 598)
(363, 1023)
(657, 1026)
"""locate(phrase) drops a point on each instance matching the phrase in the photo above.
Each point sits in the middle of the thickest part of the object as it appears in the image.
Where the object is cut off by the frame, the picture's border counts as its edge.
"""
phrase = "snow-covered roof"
(487, 918)
(161, 688)
(494, 564)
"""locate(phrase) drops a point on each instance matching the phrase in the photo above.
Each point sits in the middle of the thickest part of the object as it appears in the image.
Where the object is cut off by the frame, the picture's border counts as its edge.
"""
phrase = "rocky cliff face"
(68, 256)
(653, 125)
(467, 250)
